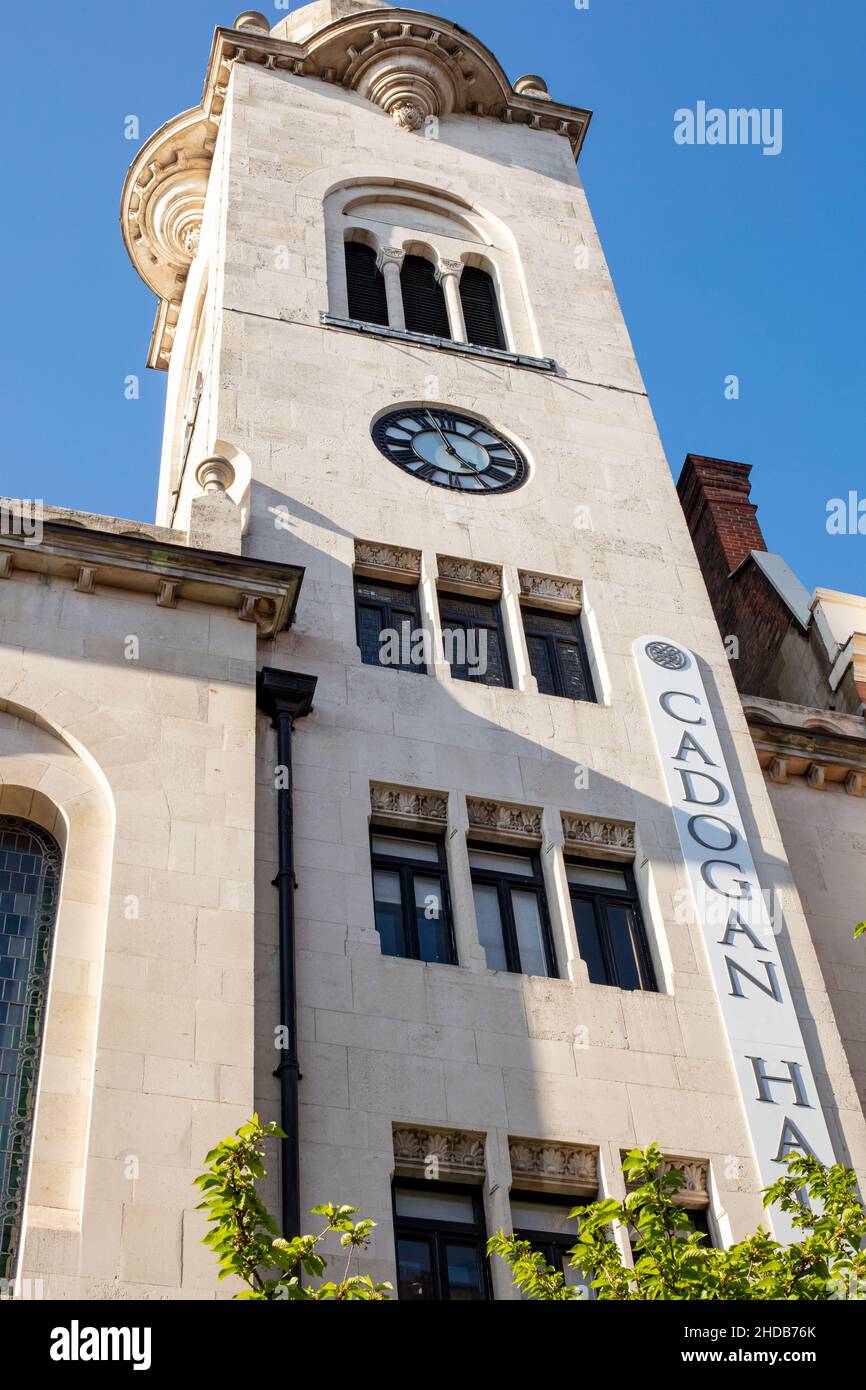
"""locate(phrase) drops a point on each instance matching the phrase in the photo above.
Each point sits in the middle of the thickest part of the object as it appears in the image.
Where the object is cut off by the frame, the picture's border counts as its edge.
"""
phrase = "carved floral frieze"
(694, 1190)
(471, 574)
(438, 1153)
(408, 803)
(504, 819)
(375, 557)
(593, 833)
(566, 594)
(559, 1167)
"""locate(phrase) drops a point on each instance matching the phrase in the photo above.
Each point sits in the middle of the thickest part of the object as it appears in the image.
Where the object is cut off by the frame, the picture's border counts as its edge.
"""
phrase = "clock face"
(450, 450)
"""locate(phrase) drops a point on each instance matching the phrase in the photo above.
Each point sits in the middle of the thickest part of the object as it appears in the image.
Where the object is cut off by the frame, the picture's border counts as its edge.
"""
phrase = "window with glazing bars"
(388, 620)
(29, 893)
(544, 1220)
(557, 654)
(410, 895)
(609, 924)
(473, 639)
(511, 911)
(441, 1243)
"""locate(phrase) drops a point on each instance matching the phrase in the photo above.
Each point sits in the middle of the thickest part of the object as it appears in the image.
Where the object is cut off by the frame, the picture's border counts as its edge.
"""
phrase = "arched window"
(365, 285)
(417, 259)
(29, 894)
(481, 308)
(424, 304)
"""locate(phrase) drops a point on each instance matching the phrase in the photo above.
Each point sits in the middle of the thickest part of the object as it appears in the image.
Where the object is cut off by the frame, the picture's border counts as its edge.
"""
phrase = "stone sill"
(377, 330)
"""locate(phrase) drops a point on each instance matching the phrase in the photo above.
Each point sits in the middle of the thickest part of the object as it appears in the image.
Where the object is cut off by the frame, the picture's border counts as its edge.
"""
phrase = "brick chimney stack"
(715, 498)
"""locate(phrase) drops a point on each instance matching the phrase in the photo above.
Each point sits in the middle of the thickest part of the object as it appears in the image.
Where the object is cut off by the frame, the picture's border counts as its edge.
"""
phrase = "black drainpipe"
(286, 696)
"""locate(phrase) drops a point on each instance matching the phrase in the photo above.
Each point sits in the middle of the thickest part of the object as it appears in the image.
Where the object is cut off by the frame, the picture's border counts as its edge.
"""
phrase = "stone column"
(558, 901)
(448, 274)
(515, 637)
(390, 261)
(470, 952)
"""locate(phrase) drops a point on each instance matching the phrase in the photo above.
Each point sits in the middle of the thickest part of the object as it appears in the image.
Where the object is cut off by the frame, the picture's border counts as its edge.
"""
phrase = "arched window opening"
(481, 308)
(424, 304)
(29, 894)
(365, 285)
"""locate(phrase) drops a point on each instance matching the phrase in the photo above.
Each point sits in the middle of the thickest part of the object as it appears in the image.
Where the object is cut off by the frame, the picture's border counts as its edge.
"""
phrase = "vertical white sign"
(775, 1078)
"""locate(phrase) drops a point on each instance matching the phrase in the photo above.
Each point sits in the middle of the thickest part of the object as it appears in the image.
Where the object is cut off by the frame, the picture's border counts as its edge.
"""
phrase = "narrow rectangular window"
(609, 925)
(441, 1243)
(365, 285)
(544, 1219)
(474, 640)
(481, 308)
(511, 911)
(699, 1223)
(388, 623)
(424, 306)
(557, 654)
(410, 895)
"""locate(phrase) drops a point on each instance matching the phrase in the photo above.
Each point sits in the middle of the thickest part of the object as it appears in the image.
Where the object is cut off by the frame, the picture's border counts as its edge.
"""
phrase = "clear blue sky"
(725, 260)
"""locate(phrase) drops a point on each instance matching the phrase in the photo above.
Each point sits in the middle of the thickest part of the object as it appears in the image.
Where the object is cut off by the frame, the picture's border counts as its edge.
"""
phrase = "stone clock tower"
(473, 963)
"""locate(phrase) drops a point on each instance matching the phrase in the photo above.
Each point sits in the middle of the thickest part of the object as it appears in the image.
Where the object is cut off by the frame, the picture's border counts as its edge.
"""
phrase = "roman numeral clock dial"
(450, 450)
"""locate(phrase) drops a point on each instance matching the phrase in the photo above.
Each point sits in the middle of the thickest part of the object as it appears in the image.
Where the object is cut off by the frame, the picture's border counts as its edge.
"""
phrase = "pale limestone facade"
(163, 777)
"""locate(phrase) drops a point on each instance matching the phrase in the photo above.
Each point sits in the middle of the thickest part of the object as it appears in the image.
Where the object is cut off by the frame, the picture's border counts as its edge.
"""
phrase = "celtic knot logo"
(663, 654)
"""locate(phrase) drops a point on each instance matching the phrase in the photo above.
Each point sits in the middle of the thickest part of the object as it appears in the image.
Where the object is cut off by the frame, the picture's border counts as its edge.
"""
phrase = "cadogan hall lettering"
(775, 1078)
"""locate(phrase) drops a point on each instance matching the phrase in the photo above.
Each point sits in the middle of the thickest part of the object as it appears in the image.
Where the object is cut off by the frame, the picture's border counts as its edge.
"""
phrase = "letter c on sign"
(665, 702)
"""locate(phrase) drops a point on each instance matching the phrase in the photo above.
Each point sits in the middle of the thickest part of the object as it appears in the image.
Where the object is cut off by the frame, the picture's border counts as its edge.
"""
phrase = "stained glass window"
(29, 890)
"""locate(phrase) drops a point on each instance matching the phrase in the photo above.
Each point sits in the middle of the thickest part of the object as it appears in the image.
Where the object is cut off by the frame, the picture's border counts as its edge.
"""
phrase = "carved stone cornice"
(377, 559)
(469, 576)
(543, 1167)
(501, 819)
(438, 1154)
(613, 837)
(259, 591)
(695, 1190)
(821, 748)
(565, 595)
(414, 66)
(408, 805)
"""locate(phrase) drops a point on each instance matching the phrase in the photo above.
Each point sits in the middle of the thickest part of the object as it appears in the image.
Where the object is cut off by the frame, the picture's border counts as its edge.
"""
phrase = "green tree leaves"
(248, 1242)
(673, 1262)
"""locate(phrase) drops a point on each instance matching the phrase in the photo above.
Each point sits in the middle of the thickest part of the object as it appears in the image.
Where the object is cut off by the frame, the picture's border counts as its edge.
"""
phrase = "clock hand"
(449, 446)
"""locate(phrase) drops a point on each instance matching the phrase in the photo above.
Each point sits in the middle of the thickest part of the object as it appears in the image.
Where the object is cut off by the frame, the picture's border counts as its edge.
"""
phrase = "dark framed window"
(29, 896)
(511, 911)
(441, 1243)
(542, 1218)
(699, 1221)
(424, 307)
(481, 308)
(365, 285)
(410, 894)
(609, 924)
(557, 654)
(388, 623)
(474, 639)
